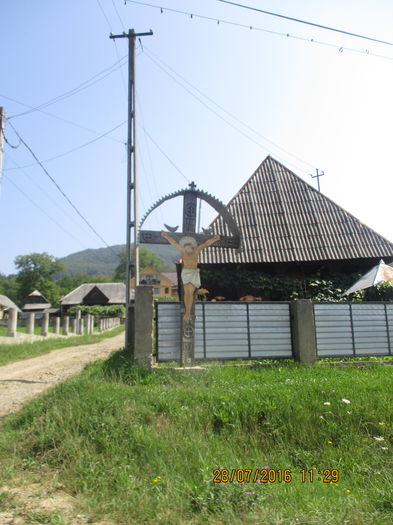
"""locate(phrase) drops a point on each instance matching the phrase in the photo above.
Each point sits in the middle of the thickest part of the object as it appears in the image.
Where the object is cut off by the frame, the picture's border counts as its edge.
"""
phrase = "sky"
(213, 100)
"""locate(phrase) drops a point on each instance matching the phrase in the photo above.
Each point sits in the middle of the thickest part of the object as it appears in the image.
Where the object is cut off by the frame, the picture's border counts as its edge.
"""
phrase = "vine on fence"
(114, 310)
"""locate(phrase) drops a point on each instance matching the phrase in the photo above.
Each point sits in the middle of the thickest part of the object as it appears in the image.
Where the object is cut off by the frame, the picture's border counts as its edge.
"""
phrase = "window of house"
(166, 290)
(156, 291)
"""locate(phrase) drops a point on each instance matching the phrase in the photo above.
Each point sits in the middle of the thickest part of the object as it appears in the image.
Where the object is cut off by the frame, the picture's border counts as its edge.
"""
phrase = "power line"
(59, 118)
(166, 156)
(222, 21)
(84, 85)
(299, 20)
(228, 112)
(49, 197)
(42, 210)
(71, 150)
(61, 190)
(212, 110)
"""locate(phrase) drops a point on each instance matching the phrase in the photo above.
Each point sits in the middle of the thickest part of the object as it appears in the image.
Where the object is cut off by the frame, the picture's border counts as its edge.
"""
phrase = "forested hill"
(104, 261)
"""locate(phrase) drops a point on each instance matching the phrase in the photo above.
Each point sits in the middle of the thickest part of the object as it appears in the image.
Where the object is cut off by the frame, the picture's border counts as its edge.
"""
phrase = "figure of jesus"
(189, 251)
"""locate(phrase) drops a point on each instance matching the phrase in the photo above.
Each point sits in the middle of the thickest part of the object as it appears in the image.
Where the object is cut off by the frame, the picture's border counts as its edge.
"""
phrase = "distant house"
(95, 294)
(164, 283)
(5, 305)
(35, 302)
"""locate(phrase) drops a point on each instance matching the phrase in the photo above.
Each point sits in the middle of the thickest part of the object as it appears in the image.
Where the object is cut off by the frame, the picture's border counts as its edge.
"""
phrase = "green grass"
(23, 330)
(10, 353)
(140, 447)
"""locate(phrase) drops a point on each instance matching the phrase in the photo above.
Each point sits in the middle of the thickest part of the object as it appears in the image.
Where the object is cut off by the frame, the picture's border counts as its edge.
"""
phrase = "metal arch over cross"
(190, 244)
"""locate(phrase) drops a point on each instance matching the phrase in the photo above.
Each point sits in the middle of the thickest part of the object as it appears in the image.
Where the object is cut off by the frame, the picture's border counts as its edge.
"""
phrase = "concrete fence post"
(45, 325)
(100, 325)
(82, 326)
(12, 322)
(56, 325)
(78, 321)
(303, 331)
(66, 325)
(30, 323)
(92, 324)
(143, 342)
(74, 324)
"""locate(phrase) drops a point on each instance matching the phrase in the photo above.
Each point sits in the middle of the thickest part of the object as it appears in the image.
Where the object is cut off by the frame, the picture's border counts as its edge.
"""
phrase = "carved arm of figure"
(207, 243)
(171, 241)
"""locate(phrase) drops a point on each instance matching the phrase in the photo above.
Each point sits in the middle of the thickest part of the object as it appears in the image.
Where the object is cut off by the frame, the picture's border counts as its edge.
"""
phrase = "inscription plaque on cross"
(190, 244)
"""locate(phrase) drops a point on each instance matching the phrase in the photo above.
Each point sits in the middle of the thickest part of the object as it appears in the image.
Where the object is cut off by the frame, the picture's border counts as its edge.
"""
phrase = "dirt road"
(22, 380)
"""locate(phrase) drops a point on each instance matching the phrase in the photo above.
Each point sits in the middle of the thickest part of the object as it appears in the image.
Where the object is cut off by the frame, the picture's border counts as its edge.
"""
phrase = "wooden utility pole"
(132, 178)
(2, 126)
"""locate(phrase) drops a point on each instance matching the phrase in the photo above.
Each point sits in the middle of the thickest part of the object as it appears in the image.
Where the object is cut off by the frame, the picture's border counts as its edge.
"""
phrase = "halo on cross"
(188, 240)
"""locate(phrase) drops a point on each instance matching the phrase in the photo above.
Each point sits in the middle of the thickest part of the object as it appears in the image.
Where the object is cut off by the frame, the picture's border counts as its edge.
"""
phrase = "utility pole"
(2, 126)
(132, 177)
(317, 176)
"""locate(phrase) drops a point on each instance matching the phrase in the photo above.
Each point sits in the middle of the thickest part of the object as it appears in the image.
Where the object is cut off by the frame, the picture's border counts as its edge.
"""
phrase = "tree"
(35, 272)
(9, 287)
(146, 258)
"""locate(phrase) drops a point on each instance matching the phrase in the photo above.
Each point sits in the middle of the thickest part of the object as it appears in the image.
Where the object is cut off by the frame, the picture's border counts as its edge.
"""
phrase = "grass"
(140, 447)
(10, 353)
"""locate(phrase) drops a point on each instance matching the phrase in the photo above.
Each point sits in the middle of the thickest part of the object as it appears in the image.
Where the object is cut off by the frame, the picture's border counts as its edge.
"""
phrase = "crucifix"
(190, 244)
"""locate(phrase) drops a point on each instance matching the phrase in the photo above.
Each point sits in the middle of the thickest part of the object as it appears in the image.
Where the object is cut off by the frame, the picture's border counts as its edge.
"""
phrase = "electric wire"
(68, 152)
(49, 197)
(230, 114)
(84, 85)
(299, 20)
(61, 190)
(219, 21)
(61, 119)
(166, 156)
(228, 122)
(8, 179)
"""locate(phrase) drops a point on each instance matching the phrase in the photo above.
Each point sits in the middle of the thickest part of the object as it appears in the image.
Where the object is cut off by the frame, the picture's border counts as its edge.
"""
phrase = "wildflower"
(349, 412)
(327, 403)
(266, 467)
(248, 493)
(347, 491)
(321, 417)
(379, 438)
(382, 423)
(346, 401)
(384, 448)
(156, 480)
(330, 442)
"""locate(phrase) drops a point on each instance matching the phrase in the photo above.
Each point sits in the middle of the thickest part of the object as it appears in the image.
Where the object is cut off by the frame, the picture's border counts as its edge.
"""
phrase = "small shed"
(35, 302)
(95, 294)
(5, 305)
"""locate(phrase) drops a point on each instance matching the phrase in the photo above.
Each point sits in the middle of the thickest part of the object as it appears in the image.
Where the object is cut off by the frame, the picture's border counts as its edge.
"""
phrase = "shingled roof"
(115, 292)
(284, 219)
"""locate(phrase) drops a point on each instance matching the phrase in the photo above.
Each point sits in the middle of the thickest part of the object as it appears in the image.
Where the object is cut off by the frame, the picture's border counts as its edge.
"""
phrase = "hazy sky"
(308, 104)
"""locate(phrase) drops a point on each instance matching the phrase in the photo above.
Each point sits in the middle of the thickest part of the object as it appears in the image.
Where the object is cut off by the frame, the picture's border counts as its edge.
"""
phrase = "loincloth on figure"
(191, 276)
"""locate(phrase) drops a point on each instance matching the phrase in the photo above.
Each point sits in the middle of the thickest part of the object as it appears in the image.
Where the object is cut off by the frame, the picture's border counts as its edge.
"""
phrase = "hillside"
(104, 260)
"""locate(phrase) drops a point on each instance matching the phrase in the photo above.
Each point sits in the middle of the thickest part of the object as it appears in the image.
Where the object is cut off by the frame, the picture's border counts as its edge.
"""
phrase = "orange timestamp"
(271, 475)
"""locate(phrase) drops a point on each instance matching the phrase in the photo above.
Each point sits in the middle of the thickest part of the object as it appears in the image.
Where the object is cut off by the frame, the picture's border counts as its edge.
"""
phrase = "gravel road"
(22, 380)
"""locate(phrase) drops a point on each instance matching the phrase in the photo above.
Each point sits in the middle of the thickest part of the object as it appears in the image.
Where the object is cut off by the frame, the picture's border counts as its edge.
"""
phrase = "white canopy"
(378, 274)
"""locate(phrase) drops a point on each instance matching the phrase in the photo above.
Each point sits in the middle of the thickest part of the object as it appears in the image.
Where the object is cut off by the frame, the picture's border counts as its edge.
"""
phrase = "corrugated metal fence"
(238, 330)
(353, 329)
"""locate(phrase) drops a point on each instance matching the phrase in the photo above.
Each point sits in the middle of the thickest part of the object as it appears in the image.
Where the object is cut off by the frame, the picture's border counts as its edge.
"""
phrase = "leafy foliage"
(35, 272)
(146, 258)
(114, 310)
(235, 281)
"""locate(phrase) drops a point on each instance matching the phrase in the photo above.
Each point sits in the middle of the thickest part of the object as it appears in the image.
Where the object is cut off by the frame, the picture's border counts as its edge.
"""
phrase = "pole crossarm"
(155, 237)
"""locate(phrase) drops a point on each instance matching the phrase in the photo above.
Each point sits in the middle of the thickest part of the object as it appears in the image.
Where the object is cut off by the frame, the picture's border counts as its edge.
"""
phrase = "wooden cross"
(199, 242)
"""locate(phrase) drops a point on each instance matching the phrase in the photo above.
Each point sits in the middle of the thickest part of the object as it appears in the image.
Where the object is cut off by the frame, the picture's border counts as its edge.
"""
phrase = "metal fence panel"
(353, 329)
(228, 331)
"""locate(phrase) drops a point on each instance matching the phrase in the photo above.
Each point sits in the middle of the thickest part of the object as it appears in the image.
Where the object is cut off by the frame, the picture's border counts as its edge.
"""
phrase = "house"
(164, 283)
(5, 305)
(95, 294)
(291, 229)
(35, 302)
